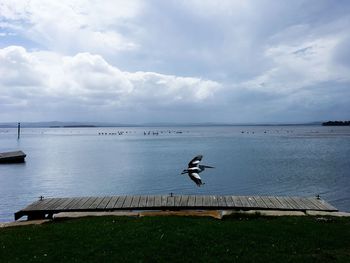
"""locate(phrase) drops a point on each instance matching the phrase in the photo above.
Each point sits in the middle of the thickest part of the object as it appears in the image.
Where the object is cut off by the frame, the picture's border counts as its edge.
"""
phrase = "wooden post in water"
(18, 130)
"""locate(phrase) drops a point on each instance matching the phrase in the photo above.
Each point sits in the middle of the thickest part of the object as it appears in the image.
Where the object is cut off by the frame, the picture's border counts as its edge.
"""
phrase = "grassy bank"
(180, 239)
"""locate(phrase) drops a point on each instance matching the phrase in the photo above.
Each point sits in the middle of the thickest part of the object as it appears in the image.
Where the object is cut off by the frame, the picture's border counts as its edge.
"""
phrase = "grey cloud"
(342, 52)
(86, 82)
(223, 61)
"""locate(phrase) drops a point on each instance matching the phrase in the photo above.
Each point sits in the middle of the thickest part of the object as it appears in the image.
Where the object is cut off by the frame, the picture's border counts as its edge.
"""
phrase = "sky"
(133, 61)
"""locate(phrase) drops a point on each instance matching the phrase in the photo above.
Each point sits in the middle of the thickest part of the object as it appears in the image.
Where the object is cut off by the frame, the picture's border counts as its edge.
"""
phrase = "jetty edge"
(12, 157)
(45, 208)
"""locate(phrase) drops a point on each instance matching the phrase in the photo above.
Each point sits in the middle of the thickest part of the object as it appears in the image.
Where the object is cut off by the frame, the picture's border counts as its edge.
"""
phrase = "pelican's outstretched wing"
(195, 161)
(196, 178)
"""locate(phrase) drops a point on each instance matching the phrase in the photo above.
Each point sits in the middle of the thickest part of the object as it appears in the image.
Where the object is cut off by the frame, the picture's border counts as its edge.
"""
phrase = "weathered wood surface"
(50, 206)
(12, 157)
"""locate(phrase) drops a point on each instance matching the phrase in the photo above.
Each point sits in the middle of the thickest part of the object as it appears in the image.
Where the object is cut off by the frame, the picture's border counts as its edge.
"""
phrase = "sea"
(248, 160)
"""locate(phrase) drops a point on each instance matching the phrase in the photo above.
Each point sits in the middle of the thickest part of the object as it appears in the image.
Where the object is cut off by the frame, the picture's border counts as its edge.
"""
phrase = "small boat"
(12, 157)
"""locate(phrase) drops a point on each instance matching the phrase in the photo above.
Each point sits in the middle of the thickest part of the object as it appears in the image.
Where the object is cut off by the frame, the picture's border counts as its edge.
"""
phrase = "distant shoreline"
(336, 123)
(74, 126)
(115, 125)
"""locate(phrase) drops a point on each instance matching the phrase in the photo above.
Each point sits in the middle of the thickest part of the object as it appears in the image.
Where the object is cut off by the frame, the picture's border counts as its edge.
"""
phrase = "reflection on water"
(265, 160)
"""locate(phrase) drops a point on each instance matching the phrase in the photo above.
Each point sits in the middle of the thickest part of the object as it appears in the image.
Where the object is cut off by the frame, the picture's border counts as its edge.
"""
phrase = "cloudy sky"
(174, 61)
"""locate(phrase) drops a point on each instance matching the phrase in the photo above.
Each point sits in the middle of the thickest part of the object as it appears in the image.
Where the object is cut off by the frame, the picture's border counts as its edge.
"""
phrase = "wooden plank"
(143, 201)
(57, 204)
(48, 204)
(206, 201)
(309, 205)
(229, 201)
(244, 201)
(53, 205)
(120, 202)
(67, 204)
(177, 200)
(284, 203)
(37, 204)
(214, 201)
(64, 204)
(96, 203)
(221, 201)
(322, 204)
(260, 202)
(236, 202)
(12, 154)
(127, 202)
(184, 200)
(88, 203)
(80, 203)
(300, 202)
(296, 205)
(104, 202)
(72, 204)
(150, 201)
(252, 202)
(191, 200)
(164, 200)
(291, 203)
(198, 201)
(158, 201)
(135, 201)
(275, 202)
(111, 203)
(170, 201)
(268, 203)
(316, 204)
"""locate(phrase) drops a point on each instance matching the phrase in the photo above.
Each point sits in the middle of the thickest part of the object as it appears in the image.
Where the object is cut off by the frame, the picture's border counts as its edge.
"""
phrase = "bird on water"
(194, 168)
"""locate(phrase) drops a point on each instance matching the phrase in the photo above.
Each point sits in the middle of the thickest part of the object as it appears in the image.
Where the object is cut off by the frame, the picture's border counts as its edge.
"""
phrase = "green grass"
(179, 239)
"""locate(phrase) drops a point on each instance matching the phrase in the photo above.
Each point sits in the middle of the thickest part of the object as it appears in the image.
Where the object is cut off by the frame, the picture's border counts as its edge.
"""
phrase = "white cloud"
(218, 8)
(299, 64)
(72, 25)
(87, 81)
(5, 34)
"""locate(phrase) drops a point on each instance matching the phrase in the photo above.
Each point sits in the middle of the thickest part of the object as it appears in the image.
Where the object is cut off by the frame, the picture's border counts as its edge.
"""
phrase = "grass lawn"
(180, 239)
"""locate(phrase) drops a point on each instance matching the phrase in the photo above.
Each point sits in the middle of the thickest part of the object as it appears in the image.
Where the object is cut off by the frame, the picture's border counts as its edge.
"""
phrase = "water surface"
(255, 160)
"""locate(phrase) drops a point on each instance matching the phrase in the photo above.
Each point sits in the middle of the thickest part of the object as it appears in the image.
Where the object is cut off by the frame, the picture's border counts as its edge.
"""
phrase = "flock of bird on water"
(156, 132)
(144, 133)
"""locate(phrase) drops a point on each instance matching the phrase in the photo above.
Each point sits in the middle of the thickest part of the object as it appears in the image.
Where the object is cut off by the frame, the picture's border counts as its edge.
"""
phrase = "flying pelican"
(194, 168)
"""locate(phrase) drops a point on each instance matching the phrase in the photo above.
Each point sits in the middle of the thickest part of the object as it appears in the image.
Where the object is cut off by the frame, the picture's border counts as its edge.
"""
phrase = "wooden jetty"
(47, 207)
(12, 157)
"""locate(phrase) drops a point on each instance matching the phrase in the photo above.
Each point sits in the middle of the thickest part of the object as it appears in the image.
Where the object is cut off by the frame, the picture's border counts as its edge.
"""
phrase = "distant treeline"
(336, 123)
(74, 126)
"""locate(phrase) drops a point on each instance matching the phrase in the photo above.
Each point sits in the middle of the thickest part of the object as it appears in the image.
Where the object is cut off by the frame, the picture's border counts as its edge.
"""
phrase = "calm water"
(289, 160)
